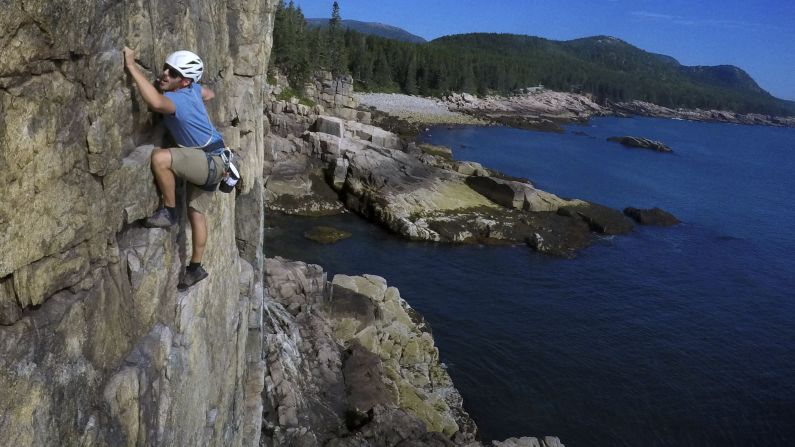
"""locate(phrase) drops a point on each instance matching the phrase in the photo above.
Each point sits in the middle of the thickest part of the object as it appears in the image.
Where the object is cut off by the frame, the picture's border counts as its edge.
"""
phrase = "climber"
(198, 157)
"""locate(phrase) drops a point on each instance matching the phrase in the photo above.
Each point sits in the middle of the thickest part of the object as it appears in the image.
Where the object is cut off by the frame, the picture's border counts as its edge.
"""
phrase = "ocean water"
(667, 336)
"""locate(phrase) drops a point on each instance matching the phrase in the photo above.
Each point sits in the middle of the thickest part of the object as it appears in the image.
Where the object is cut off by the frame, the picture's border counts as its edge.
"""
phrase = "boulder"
(298, 186)
(330, 125)
(470, 168)
(375, 135)
(643, 143)
(339, 173)
(506, 193)
(651, 216)
(515, 194)
(600, 219)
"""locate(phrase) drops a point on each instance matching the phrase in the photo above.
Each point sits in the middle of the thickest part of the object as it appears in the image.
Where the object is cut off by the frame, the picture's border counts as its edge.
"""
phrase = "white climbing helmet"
(187, 63)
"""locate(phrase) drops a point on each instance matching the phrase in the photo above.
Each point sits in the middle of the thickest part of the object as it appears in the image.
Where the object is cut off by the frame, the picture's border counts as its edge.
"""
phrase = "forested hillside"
(371, 28)
(606, 67)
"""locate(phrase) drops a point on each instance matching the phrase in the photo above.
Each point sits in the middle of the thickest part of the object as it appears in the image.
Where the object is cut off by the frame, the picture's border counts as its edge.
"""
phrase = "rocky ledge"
(648, 109)
(352, 364)
(421, 194)
(538, 109)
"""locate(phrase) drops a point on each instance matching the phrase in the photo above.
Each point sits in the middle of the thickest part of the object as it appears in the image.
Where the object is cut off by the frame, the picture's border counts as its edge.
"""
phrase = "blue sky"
(755, 35)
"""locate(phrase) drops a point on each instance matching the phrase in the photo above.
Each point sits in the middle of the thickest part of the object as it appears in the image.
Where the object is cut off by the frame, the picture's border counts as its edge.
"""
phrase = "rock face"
(639, 142)
(98, 346)
(336, 95)
(652, 216)
(352, 363)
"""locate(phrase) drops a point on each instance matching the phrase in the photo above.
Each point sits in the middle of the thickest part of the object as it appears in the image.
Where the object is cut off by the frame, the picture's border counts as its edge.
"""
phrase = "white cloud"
(687, 21)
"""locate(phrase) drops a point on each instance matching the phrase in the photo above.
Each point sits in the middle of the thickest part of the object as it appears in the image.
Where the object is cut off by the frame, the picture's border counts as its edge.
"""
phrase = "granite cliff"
(97, 346)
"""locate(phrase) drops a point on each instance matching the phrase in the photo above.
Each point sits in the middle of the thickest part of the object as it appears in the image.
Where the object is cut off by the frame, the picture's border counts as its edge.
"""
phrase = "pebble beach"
(415, 108)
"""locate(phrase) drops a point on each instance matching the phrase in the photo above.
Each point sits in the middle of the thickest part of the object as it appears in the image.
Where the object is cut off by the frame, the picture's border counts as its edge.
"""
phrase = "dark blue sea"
(667, 336)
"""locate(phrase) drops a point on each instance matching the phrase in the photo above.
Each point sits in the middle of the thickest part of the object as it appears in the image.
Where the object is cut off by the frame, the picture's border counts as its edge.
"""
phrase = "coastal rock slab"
(517, 195)
(330, 125)
(428, 197)
(600, 218)
(297, 186)
(651, 216)
(539, 109)
(643, 108)
(355, 350)
(437, 151)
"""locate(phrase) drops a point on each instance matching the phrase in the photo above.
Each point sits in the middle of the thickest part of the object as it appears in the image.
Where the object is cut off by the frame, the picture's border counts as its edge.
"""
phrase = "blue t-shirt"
(189, 125)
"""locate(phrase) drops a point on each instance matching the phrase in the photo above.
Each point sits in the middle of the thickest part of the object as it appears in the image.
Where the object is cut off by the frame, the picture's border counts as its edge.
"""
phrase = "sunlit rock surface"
(98, 347)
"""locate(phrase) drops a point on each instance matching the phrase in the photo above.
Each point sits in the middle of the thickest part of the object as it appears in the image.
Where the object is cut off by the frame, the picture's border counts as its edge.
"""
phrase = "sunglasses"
(172, 72)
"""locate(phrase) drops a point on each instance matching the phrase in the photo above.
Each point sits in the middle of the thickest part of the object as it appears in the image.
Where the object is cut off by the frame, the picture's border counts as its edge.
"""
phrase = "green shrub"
(288, 93)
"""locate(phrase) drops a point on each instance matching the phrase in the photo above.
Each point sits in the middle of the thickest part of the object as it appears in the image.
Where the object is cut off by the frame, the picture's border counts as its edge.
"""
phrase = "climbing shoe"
(160, 219)
(192, 276)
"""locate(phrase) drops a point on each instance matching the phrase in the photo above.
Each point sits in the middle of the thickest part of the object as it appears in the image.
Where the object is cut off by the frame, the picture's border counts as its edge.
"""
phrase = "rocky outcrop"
(437, 151)
(517, 194)
(421, 193)
(639, 142)
(599, 218)
(336, 95)
(98, 346)
(297, 186)
(648, 109)
(651, 216)
(539, 109)
(352, 362)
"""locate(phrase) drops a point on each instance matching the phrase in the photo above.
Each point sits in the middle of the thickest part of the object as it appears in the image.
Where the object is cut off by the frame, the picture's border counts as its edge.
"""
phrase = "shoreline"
(545, 111)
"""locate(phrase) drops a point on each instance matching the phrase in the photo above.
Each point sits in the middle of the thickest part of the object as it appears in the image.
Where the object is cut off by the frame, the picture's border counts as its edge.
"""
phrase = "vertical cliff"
(97, 346)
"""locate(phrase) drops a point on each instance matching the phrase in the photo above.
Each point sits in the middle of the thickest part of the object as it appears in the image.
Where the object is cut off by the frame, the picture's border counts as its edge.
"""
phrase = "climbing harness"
(231, 174)
(210, 151)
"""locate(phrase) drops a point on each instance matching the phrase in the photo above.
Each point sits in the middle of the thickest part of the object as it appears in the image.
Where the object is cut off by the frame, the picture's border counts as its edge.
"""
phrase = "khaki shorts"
(190, 163)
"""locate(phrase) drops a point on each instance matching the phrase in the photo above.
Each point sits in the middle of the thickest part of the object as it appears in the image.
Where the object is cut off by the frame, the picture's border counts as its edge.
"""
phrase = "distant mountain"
(724, 76)
(372, 28)
(727, 76)
(614, 70)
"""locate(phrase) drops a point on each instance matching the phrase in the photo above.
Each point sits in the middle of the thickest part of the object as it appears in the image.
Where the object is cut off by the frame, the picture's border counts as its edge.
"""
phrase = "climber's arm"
(149, 93)
(207, 94)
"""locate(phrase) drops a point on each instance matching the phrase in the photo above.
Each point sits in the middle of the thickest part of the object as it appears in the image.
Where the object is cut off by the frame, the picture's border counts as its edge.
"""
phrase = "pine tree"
(410, 77)
(336, 42)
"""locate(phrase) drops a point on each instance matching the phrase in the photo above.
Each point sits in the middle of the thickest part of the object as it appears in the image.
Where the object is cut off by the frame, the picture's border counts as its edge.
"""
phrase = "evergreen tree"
(336, 42)
(410, 75)
(290, 44)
